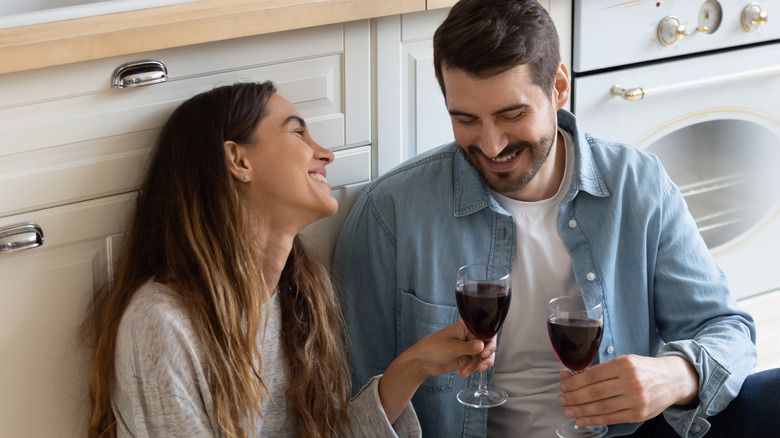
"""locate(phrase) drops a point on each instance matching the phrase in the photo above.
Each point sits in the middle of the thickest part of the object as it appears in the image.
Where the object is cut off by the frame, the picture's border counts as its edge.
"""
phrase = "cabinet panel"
(314, 83)
(411, 114)
(66, 135)
(429, 120)
(322, 235)
(44, 293)
(73, 172)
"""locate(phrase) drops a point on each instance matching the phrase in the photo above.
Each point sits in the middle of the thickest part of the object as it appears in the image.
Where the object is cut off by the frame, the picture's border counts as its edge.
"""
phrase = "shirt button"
(696, 427)
(572, 223)
(591, 276)
(610, 349)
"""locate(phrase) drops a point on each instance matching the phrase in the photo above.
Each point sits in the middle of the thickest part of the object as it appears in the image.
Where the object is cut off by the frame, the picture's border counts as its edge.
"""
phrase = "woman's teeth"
(504, 158)
(318, 177)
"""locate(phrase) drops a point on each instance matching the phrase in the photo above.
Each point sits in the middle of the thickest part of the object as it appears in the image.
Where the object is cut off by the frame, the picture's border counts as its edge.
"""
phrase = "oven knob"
(753, 17)
(670, 30)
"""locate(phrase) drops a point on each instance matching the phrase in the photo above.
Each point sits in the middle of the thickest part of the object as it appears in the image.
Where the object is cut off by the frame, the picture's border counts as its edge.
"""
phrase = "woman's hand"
(452, 348)
(449, 349)
(627, 389)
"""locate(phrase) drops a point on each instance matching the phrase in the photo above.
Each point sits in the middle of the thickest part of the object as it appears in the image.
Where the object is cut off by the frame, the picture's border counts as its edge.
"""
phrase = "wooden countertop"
(83, 39)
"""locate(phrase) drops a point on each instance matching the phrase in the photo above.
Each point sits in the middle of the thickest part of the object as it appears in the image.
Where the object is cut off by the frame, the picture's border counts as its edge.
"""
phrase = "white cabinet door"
(411, 114)
(44, 292)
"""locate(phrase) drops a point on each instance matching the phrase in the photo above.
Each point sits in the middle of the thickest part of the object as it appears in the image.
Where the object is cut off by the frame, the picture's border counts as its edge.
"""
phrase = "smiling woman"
(284, 168)
(220, 321)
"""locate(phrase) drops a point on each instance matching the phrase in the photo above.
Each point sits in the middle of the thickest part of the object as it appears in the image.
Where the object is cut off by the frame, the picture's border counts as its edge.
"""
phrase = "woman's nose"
(321, 153)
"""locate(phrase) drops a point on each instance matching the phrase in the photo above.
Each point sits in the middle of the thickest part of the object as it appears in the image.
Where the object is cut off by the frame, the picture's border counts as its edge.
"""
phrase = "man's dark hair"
(488, 37)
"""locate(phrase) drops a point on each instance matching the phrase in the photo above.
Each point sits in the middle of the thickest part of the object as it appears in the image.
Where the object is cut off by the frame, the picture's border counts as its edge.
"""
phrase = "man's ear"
(561, 87)
(236, 161)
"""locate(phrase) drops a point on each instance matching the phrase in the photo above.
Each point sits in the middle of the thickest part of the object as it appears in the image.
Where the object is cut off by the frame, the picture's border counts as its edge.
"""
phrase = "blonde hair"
(189, 231)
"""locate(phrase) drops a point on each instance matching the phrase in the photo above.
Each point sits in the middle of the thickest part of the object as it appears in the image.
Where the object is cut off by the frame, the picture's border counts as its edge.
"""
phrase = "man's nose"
(492, 140)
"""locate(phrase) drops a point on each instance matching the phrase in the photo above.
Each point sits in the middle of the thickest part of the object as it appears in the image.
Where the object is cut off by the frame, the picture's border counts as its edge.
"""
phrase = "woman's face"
(287, 170)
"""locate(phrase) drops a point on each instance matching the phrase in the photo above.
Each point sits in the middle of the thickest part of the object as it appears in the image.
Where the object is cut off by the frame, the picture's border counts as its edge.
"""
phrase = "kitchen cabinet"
(43, 390)
(72, 153)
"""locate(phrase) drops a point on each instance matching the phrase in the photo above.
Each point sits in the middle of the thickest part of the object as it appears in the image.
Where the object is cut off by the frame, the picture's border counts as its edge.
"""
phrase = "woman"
(219, 321)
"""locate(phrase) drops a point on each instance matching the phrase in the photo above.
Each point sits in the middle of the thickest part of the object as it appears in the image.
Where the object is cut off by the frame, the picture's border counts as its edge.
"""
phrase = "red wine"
(483, 310)
(576, 341)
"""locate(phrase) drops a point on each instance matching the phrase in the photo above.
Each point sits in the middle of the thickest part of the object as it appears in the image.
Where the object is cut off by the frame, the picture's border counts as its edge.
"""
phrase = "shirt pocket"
(417, 319)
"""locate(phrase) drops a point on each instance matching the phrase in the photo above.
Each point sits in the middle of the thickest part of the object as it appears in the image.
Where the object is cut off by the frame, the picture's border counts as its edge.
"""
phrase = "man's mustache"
(510, 149)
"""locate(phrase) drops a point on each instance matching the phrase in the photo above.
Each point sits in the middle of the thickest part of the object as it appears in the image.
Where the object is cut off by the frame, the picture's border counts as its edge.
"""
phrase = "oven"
(697, 83)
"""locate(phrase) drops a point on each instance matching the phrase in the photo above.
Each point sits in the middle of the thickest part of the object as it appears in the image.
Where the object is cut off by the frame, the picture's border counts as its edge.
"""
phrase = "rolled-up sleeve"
(366, 417)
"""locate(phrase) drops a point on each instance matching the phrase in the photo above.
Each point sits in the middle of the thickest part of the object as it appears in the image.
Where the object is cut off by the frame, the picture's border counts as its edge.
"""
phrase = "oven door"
(714, 122)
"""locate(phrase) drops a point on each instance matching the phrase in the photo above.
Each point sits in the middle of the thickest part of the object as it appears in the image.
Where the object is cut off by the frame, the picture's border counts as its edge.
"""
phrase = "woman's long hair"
(190, 231)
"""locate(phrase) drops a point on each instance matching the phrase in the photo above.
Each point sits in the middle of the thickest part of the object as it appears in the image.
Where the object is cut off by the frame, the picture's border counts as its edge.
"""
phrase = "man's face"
(506, 126)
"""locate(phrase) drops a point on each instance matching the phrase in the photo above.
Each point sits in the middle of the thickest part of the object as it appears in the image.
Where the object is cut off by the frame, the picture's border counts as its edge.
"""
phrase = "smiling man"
(523, 186)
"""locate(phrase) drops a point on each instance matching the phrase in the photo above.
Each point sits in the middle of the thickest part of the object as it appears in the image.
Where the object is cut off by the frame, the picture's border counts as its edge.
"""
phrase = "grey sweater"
(161, 388)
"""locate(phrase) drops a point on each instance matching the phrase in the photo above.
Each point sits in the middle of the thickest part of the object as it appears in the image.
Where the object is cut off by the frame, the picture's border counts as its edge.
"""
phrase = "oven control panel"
(611, 33)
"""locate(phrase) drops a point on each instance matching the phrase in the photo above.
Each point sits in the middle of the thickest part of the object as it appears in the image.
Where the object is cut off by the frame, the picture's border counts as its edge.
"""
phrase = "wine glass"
(483, 293)
(575, 324)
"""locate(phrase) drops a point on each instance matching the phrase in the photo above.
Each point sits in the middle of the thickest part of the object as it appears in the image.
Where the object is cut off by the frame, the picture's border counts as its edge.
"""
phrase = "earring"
(246, 177)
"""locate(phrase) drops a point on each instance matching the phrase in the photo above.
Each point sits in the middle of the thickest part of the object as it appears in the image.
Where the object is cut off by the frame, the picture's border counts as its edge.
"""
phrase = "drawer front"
(66, 135)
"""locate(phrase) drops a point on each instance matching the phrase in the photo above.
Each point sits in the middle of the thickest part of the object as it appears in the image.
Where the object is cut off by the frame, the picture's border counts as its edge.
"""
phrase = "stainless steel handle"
(19, 237)
(638, 93)
(139, 73)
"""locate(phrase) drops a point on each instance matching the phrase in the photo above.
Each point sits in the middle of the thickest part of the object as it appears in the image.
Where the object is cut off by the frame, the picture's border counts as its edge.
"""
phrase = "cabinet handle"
(639, 93)
(19, 237)
(139, 73)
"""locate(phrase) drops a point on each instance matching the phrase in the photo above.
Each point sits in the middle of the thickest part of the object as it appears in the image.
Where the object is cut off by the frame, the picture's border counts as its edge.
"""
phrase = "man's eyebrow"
(513, 107)
(295, 119)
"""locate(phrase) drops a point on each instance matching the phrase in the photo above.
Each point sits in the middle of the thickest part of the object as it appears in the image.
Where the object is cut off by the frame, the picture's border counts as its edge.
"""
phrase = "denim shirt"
(632, 242)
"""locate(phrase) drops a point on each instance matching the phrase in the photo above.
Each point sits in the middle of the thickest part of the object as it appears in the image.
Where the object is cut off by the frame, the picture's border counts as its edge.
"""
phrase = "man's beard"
(503, 182)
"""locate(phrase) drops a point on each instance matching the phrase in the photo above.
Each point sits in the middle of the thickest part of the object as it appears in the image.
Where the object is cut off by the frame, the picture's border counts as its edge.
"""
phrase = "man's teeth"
(318, 177)
(504, 158)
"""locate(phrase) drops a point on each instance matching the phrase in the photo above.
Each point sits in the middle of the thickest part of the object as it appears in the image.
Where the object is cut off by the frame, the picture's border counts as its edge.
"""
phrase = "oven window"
(727, 170)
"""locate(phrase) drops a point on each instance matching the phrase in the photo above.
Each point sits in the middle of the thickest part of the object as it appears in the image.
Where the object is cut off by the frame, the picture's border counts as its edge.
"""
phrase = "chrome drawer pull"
(19, 237)
(139, 73)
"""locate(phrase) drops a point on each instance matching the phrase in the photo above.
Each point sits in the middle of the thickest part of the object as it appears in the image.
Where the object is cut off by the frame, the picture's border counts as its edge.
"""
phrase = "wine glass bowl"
(483, 294)
(575, 324)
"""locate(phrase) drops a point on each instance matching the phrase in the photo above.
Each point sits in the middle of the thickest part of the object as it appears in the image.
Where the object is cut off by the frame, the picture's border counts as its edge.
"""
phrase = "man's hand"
(627, 389)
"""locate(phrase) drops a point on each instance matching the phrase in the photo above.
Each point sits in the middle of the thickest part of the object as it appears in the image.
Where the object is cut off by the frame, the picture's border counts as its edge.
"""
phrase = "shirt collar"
(587, 175)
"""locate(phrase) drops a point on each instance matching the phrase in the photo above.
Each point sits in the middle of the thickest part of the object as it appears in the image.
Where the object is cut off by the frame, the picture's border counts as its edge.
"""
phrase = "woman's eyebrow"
(294, 119)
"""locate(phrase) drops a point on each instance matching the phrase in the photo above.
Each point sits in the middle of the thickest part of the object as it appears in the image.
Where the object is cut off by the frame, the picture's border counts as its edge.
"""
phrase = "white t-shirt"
(526, 366)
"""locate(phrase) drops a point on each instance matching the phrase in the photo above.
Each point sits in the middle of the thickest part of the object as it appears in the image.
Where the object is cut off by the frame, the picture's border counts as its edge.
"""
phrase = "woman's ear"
(236, 162)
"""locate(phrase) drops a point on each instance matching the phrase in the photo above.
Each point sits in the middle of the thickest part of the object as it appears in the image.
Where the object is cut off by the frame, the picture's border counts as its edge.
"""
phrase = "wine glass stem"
(482, 387)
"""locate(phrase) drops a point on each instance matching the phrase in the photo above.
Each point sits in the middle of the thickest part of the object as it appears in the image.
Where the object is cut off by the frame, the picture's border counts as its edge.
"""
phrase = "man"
(524, 187)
